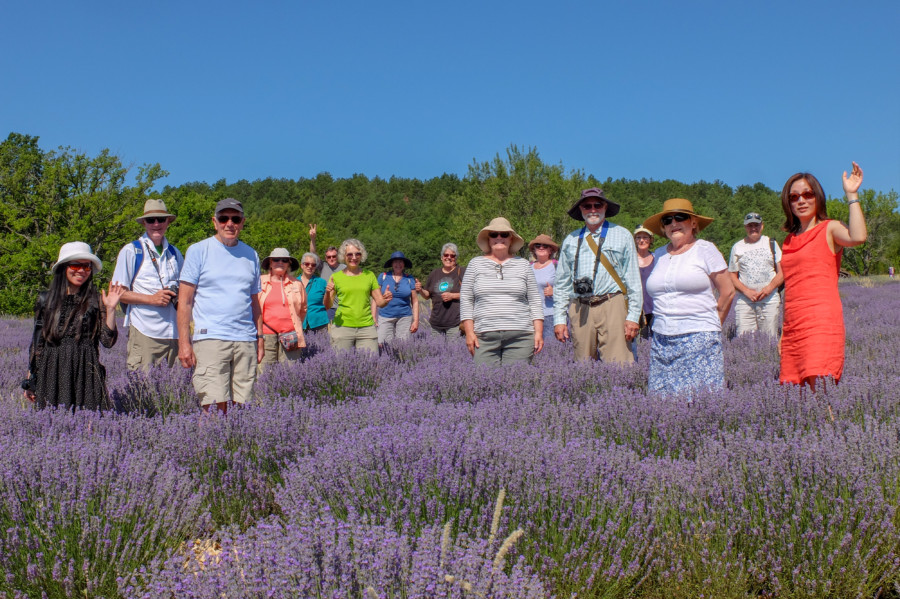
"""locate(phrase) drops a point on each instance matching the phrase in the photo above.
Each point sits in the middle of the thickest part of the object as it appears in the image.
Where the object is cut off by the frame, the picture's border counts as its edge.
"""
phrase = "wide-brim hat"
(546, 240)
(280, 253)
(612, 208)
(500, 225)
(670, 207)
(155, 208)
(77, 250)
(398, 256)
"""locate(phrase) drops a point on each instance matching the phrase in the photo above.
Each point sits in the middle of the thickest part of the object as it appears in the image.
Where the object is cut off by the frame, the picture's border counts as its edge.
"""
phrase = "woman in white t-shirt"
(686, 351)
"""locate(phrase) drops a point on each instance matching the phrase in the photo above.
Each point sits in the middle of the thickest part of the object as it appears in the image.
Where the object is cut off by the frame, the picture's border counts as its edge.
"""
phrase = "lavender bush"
(358, 475)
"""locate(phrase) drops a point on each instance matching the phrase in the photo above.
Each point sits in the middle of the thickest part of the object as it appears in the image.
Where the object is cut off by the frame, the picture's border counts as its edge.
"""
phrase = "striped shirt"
(500, 298)
(621, 252)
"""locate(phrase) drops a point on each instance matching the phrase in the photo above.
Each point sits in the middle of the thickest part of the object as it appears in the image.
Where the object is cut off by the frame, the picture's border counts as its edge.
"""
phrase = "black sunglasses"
(153, 220)
(496, 234)
(235, 218)
(678, 217)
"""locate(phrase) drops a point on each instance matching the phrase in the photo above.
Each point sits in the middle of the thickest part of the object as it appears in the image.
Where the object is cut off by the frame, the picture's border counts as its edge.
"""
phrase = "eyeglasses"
(496, 234)
(592, 205)
(310, 264)
(678, 217)
(354, 254)
(156, 220)
(806, 195)
(279, 260)
(79, 266)
(499, 269)
(235, 218)
(640, 238)
(451, 256)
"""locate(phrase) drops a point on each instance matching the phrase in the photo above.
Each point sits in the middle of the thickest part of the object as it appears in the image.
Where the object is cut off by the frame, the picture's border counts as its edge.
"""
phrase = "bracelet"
(853, 202)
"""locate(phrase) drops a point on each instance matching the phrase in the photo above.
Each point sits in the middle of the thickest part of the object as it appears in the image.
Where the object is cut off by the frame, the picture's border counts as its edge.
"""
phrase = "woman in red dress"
(812, 343)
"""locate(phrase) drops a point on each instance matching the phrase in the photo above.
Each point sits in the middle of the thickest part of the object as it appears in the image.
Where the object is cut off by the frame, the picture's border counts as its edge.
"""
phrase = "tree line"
(48, 197)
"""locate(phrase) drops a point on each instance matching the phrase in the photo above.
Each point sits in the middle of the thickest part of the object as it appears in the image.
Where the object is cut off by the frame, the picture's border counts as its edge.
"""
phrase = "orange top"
(813, 340)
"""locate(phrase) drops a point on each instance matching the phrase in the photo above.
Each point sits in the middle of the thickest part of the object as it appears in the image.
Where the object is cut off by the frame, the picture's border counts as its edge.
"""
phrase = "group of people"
(214, 310)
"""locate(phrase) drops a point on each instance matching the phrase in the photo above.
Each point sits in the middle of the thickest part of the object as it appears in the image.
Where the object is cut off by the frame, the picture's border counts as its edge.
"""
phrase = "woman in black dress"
(71, 319)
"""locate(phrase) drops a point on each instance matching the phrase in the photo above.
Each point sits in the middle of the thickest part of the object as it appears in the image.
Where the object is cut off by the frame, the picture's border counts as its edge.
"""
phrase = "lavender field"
(418, 474)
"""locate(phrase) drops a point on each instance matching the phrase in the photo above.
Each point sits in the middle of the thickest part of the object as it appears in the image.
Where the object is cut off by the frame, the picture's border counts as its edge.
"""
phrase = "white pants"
(761, 316)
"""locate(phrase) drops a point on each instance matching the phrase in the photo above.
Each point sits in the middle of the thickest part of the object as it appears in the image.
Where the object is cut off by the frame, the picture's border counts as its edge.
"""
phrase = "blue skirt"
(681, 363)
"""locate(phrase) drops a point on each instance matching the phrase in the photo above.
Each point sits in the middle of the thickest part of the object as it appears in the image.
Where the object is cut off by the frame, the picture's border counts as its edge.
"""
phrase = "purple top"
(645, 272)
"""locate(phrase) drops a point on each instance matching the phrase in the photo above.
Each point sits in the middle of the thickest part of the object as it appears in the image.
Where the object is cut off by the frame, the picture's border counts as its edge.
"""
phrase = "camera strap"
(155, 265)
(597, 253)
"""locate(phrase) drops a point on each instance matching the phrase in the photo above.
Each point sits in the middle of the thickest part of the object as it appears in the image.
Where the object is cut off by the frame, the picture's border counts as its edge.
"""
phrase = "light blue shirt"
(619, 249)
(226, 279)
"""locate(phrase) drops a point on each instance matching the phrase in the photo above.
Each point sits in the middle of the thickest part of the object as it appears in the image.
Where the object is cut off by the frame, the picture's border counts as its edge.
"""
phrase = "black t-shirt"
(444, 315)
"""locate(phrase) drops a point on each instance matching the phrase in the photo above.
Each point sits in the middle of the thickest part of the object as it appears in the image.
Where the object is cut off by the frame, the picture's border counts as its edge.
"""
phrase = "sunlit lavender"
(378, 476)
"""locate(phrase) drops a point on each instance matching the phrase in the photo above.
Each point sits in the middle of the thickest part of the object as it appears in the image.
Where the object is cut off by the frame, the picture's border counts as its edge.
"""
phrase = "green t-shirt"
(353, 294)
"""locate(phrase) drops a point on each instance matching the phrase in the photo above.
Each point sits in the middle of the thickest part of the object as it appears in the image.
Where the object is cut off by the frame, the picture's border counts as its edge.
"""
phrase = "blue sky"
(736, 91)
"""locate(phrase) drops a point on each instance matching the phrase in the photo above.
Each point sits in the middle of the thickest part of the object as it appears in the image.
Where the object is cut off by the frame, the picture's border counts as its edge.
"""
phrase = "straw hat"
(499, 224)
(670, 207)
(546, 240)
(155, 208)
(280, 253)
(77, 250)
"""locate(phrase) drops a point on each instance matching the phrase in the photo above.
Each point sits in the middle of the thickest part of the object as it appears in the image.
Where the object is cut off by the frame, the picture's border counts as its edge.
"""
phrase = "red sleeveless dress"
(813, 340)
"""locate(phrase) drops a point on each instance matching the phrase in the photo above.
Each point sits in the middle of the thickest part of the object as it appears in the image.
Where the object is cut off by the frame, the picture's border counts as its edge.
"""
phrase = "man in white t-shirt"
(220, 288)
(755, 268)
(149, 268)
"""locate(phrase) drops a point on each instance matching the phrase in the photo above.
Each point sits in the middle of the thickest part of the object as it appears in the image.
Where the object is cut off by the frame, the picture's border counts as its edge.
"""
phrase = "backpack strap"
(138, 260)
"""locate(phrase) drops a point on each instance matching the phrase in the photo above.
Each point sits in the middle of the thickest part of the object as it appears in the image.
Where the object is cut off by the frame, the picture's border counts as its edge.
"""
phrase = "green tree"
(882, 225)
(49, 198)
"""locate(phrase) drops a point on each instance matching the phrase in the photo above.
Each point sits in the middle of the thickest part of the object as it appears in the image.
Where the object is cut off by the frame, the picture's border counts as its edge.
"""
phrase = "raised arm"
(854, 233)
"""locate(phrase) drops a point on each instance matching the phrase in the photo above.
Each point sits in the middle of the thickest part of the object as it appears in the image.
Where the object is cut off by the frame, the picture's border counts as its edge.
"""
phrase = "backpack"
(139, 258)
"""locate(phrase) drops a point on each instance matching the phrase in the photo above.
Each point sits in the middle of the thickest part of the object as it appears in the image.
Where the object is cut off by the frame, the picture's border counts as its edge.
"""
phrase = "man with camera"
(598, 283)
(149, 268)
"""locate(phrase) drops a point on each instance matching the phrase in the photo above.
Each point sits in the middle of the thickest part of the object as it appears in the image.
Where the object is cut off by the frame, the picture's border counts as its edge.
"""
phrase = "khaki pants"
(143, 352)
(504, 347)
(600, 329)
(365, 338)
(225, 370)
(276, 353)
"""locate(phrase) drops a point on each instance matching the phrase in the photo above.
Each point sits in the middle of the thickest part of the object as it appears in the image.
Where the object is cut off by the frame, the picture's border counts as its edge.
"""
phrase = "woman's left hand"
(112, 297)
(852, 183)
(538, 342)
(414, 326)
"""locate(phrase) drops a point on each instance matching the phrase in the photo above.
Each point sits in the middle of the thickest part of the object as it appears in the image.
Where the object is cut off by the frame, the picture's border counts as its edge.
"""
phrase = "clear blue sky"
(737, 91)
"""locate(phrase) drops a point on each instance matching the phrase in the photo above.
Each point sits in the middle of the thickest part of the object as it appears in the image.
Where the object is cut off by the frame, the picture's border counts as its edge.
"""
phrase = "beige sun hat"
(546, 240)
(642, 229)
(280, 253)
(155, 208)
(670, 207)
(499, 224)
(77, 250)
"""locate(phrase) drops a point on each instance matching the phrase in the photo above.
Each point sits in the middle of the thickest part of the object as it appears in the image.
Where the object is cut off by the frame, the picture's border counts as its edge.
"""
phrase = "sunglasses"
(236, 219)
(330, 256)
(542, 246)
(496, 234)
(592, 205)
(354, 254)
(279, 260)
(310, 264)
(451, 256)
(678, 217)
(753, 216)
(806, 195)
(156, 220)
(79, 266)
(499, 269)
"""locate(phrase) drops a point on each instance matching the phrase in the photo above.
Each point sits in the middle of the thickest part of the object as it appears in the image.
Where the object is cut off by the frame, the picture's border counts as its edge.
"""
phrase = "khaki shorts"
(276, 353)
(365, 338)
(225, 370)
(143, 351)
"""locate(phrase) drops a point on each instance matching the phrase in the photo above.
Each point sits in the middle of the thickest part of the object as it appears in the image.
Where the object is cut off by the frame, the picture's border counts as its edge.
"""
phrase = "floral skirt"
(681, 363)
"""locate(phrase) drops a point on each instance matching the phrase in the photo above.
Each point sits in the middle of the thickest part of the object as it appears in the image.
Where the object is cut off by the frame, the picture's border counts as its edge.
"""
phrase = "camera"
(174, 289)
(583, 286)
